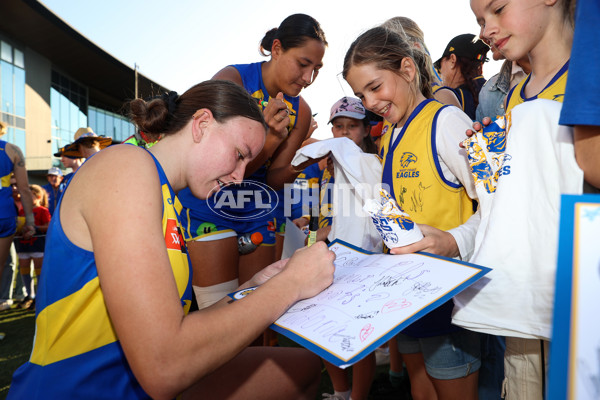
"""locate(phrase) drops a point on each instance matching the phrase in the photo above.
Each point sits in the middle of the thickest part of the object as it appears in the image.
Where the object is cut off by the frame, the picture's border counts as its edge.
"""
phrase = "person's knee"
(314, 366)
(304, 370)
(425, 391)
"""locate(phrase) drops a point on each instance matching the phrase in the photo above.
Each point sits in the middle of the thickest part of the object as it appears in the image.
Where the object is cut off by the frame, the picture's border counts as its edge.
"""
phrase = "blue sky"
(179, 43)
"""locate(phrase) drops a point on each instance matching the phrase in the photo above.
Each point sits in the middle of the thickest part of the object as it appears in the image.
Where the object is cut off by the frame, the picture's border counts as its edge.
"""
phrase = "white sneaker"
(6, 304)
(332, 396)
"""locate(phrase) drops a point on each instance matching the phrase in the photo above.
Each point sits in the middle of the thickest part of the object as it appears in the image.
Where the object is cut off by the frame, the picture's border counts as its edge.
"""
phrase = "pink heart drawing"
(395, 305)
(365, 332)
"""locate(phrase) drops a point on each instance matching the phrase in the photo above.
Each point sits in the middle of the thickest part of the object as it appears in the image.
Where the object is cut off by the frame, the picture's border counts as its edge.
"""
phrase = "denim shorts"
(450, 356)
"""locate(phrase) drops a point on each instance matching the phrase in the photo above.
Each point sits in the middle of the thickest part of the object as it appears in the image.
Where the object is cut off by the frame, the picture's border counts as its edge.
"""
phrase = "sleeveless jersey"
(76, 352)
(554, 90)
(54, 195)
(251, 75)
(466, 98)
(326, 198)
(306, 188)
(7, 204)
(412, 170)
(233, 201)
(435, 87)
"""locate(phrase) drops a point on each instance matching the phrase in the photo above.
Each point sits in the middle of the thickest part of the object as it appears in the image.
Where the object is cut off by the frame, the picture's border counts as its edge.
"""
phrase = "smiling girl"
(429, 176)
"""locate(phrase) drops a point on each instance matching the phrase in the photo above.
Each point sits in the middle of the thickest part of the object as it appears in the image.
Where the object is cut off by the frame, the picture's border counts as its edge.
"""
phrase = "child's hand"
(477, 126)
(435, 241)
(301, 222)
(330, 167)
(322, 234)
(300, 167)
(313, 127)
(28, 231)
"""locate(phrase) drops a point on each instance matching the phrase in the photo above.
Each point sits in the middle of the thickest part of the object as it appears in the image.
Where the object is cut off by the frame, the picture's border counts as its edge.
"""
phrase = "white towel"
(357, 178)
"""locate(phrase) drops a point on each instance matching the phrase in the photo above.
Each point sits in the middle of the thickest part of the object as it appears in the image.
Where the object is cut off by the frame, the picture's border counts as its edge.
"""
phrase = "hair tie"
(171, 100)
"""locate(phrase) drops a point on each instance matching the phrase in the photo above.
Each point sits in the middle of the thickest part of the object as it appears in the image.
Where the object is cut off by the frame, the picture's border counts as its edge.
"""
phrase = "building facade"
(53, 81)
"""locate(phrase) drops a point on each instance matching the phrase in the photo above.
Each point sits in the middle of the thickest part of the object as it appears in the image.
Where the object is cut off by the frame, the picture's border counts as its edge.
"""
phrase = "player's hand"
(310, 270)
(277, 116)
(267, 273)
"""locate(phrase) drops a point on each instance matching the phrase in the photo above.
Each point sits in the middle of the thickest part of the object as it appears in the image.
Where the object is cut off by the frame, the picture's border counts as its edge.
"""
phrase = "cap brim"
(105, 142)
(348, 114)
(102, 140)
(70, 151)
(73, 157)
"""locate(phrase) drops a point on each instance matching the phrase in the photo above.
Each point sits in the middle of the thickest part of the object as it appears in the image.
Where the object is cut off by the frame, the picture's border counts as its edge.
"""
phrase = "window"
(68, 103)
(12, 93)
(106, 123)
(6, 52)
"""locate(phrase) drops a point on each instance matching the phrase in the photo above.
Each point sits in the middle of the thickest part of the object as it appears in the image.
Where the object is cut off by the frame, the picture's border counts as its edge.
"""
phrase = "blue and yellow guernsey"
(252, 80)
(554, 90)
(76, 352)
(7, 204)
(326, 198)
(199, 214)
(306, 184)
(412, 170)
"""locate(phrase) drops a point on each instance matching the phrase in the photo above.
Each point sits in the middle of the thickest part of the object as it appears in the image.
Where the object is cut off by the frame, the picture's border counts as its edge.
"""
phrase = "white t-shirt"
(518, 234)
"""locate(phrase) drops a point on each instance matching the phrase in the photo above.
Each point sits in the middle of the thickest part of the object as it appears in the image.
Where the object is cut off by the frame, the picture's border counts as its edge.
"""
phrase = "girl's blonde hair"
(386, 49)
(405, 26)
(39, 194)
(569, 7)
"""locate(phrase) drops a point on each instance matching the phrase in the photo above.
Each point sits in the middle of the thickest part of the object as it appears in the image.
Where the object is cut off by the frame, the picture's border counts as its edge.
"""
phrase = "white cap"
(350, 107)
(55, 171)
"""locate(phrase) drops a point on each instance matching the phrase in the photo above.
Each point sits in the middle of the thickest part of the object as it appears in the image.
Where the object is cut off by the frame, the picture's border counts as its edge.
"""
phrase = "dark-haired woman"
(296, 51)
(461, 67)
(100, 336)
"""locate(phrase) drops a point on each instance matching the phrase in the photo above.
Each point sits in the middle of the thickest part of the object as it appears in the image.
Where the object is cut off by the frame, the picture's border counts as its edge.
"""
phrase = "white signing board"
(372, 298)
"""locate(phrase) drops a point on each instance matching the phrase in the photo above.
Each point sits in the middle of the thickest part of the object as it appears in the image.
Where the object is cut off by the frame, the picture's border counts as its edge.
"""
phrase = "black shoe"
(382, 389)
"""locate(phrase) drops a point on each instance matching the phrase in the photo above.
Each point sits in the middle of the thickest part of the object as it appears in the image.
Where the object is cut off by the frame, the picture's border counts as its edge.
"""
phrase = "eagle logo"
(407, 158)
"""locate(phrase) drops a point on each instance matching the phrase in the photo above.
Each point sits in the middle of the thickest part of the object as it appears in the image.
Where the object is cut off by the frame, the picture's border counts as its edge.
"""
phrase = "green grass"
(15, 348)
(18, 325)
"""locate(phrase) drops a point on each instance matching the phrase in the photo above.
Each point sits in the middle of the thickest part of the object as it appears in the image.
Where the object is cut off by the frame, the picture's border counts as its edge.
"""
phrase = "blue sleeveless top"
(7, 204)
(76, 352)
(252, 81)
